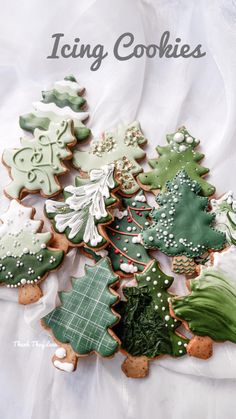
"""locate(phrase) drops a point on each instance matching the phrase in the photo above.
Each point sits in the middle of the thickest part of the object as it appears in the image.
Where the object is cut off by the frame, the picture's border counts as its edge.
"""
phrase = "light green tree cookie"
(35, 166)
(179, 154)
(122, 147)
(64, 101)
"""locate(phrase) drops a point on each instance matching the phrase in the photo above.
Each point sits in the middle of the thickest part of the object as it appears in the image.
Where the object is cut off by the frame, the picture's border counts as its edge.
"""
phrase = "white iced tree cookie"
(85, 209)
(225, 211)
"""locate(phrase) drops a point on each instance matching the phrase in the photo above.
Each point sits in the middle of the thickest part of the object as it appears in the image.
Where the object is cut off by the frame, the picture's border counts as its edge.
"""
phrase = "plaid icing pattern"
(85, 315)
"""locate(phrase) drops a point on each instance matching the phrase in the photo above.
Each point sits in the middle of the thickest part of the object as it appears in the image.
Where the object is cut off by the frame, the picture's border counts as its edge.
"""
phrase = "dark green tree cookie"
(146, 327)
(182, 225)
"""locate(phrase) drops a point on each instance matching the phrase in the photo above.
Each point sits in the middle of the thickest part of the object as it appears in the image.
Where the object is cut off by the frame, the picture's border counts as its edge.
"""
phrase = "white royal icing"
(223, 208)
(140, 198)
(60, 353)
(47, 109)
(67, 86)
(89, 198)
(128, 268)
(63, 366)
(120, 214)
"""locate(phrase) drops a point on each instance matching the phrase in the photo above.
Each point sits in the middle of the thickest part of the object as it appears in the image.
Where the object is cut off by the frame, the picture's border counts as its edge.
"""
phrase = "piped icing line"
(80, 311)
(34, 166)
(85, 207)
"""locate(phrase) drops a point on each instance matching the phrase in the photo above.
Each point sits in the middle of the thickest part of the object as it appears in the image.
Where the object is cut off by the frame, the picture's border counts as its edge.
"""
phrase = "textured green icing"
(210, 308)
(36, 164)
(85, 315)
(171, 160)
(146, 327)
(181, 224)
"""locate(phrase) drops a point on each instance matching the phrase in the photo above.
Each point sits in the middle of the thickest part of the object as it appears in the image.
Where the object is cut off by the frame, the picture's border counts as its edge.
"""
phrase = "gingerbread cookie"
(35, 166)
(25, 258)
(85, 211)
(209, 309)
(82, 323)
(146, 328)
(179, 154)
(64, 101)
(182, 226)
(125, 249)
(225, 210)
(122, 147)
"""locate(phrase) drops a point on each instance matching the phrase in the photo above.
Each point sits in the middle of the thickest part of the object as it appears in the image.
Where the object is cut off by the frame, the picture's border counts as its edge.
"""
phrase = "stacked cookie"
(106, 215)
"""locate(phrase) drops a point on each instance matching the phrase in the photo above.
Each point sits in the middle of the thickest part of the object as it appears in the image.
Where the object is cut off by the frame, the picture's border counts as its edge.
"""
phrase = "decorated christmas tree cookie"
(125, 249)
(122, 147)
(64, 101)
(35, 166)
(25, 259)
(146, 328)
(209, 309)
(82, 323)
(179, 154)
(85, 210)
(182, 226)
(225, 220)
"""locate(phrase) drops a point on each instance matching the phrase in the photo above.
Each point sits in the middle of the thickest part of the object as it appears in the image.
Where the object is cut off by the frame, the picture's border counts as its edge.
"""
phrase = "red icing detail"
(117, 251)
(118, 238)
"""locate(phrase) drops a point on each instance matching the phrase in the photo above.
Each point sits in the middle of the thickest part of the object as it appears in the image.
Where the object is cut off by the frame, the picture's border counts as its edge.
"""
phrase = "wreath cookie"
(81, 325)
(25, 258)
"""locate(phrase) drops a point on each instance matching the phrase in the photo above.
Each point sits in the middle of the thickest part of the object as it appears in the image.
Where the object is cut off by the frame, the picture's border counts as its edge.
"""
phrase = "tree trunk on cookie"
(182, 226)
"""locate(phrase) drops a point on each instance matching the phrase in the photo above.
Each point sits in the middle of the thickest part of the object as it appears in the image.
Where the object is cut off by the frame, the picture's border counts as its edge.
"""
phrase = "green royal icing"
(36, 165)
(85, 208)
(181, 224)
(24, 257)
(85, 315)
(210, 307)
(122, 147)
(126, 252)
(64, 101)
(179, 154)
(146, 327)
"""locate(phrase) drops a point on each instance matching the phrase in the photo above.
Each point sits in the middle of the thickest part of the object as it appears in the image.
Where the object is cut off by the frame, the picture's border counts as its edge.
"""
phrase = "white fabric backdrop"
(162, 95)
